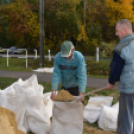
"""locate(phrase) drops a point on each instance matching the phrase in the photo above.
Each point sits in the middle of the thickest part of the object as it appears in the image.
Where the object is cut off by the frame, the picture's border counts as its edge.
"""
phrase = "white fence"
(24, 57)
(49, 55)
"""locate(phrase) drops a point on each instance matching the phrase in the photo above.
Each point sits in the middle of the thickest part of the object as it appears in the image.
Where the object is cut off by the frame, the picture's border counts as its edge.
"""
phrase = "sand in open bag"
(8, 124)
(64, 95)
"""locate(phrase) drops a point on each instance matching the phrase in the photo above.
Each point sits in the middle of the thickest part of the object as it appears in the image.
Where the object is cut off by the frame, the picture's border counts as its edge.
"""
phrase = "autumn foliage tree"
(22, 23)
(116, 10)
(87, 23)
(61, 22)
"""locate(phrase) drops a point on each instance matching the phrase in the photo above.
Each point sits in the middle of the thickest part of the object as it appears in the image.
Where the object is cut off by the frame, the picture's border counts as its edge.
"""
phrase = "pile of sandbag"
(99, 109)
(33, 110)
(26, 100)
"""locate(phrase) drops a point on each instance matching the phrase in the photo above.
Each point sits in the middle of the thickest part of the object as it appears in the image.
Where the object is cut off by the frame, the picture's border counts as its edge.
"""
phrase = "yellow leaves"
(82, 35)
(74, 9)
(73, 2)
(33, 25)
(67, 5)
(126, 2)
(118, 10)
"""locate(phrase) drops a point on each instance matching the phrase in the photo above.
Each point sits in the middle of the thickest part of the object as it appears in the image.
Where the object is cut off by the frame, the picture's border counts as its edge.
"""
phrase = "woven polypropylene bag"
(67, 118)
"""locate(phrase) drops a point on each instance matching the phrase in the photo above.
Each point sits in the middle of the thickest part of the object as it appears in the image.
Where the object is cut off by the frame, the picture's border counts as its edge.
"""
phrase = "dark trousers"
(73, 90)
(126, 114)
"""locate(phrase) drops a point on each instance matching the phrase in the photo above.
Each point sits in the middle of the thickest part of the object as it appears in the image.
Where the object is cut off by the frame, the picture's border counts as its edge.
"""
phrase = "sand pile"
(8, 124)
(64, 95)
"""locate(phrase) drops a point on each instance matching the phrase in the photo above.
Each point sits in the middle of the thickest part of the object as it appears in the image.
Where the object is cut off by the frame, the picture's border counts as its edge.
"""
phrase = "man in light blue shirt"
(70, 70)
(122, 70)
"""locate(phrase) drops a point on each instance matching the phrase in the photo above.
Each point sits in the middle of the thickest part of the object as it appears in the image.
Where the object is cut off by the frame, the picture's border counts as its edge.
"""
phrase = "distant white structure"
(97, 54)
(49, 56)
(48, 70)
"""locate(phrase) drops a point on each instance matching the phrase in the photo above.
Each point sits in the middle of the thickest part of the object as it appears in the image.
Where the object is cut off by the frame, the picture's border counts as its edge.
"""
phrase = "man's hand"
(82, 99)
(110, 86)
(53, 94)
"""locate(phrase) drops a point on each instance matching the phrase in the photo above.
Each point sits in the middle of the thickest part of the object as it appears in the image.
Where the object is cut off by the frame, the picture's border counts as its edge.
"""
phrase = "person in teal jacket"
(70, 70)
(122, 70)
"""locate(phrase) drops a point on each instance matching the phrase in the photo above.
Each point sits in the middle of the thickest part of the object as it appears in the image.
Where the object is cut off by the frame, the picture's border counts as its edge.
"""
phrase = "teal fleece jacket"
(70, 72)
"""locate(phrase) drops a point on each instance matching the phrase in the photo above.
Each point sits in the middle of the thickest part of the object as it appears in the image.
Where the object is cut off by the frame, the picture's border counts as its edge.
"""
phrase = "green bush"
(108, 47)
(100, 68)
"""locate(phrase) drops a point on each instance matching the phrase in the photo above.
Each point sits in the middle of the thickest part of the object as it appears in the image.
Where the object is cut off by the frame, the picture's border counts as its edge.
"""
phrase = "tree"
(61, 22)
(117, 10)
(22, 23)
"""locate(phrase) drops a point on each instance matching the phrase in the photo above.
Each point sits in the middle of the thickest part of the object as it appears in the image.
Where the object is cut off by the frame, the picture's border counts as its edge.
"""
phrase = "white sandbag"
(17, 105)
(92, 110)
(48, 103)
(29, 108)
(108, 119)
(36, 117)
(9, 91)
(67, 118)
(29, 87)
(116, 106)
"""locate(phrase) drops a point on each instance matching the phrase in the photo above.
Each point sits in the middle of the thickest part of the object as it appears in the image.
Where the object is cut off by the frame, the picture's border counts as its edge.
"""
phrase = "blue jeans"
(126, 114)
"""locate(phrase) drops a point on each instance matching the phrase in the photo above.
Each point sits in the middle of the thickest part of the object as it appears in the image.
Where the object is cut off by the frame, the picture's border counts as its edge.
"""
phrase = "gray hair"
(125, 22)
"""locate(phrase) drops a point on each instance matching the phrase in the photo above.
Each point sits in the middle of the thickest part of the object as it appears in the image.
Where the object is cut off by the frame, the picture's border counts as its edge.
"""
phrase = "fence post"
(49, 56)
(103, 53)
(26, 60)
(35, 54)
(7, 59)
(97, 54)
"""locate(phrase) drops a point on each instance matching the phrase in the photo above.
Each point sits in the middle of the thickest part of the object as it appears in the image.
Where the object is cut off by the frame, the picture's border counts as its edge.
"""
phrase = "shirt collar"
(127, 37)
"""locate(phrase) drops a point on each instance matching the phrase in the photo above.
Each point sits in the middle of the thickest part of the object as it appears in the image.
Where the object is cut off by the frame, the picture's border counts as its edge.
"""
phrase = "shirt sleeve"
(116, 67)
(82, 75)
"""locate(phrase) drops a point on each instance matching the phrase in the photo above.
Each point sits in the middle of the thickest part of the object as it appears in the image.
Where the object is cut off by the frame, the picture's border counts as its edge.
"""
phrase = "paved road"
(47, 77)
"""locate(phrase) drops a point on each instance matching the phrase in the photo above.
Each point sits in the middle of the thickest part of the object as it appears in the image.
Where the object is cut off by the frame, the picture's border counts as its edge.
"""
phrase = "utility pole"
(85, 4)
(133, 6)
(41, 18)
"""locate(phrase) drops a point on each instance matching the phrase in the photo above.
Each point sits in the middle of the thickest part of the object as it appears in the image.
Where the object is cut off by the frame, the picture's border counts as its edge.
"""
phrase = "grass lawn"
(88, 128)
(96, 69)
(16, 64)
